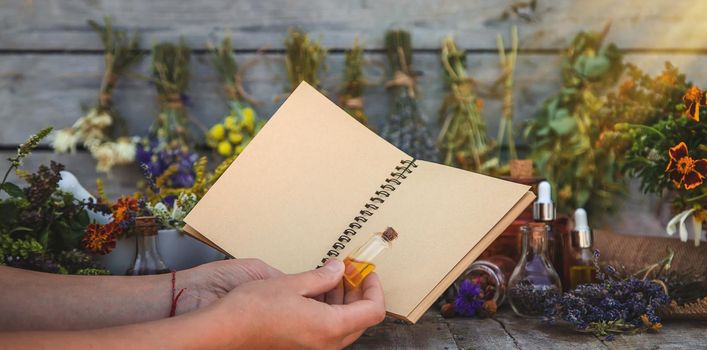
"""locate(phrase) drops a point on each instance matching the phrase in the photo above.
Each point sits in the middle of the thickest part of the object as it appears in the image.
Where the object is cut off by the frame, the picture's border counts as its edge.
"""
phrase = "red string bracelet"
(175, 295)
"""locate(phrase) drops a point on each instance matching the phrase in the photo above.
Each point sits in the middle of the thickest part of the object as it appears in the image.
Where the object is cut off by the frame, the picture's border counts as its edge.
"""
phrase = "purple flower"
(155, 157)
(468, 300)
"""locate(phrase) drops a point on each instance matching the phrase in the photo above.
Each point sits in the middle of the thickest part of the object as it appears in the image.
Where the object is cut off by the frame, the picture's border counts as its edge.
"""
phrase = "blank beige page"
(297, 185)
(440, 214)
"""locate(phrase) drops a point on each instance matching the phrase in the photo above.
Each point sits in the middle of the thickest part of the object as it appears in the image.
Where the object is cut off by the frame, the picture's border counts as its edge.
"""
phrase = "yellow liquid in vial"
(356, 271)
(581, 275)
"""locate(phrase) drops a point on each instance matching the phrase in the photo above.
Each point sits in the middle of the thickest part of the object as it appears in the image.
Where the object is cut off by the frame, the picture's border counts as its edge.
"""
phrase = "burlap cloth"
(636, 252)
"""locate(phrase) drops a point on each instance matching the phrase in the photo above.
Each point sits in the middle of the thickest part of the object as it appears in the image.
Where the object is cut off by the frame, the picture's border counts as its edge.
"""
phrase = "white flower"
(677, 223)
(124, 151)
(109, 154)
(65, 141)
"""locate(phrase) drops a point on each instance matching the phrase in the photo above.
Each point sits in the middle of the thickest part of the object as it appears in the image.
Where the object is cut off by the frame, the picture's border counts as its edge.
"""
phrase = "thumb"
(316, 282)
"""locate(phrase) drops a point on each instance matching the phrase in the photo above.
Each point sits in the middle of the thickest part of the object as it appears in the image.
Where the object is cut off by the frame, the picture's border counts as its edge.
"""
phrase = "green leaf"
(13, 190)
(596, 66)
(563, 126)
(8, 214)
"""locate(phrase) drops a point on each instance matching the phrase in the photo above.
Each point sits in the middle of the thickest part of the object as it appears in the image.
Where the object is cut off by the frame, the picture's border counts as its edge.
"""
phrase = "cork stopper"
(389, 234)
(521, 168)
(146, 225)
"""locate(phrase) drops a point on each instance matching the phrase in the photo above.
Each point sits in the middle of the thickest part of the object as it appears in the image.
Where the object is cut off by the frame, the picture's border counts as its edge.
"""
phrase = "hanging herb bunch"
(462, 140)
(352, 92)
(41, 226)
(230, 137)
(507, 64)
(169, 141)
(662, 139)
(100, 130)
(304, 59)
(565, 133)
(405, 126)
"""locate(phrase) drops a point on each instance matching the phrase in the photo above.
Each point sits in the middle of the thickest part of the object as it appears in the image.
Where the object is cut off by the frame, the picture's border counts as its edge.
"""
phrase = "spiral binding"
(386, 189)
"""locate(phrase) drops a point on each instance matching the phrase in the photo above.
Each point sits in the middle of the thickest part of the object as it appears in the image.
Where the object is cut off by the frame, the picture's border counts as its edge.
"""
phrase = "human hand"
(207, 283)
(281, 312)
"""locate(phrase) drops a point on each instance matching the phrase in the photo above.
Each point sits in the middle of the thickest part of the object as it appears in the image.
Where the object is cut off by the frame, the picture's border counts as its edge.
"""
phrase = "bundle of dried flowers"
(97, 130)
(405, 126)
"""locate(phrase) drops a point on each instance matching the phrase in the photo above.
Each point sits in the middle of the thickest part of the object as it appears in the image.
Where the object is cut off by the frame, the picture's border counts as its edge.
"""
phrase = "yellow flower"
(230, 122)
(249, 118)
(224, 148)
(239, 149)
(235, 137)
(217, 132)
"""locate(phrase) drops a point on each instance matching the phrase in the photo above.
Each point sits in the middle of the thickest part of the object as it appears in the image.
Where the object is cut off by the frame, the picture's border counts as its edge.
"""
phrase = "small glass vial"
(360, 262)
(492, 275)
(580, 269)
(147, 259)
(534, 280)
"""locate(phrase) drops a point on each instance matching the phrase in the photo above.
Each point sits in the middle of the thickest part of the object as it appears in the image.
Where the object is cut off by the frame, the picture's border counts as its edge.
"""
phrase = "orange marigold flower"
(682, 169)
(100, 238)
(124, 208)
(693, 99)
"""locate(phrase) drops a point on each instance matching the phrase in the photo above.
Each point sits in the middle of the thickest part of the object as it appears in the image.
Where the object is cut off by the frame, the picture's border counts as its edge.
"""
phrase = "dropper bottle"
(544, 211)
(580, 269)
(534, 280)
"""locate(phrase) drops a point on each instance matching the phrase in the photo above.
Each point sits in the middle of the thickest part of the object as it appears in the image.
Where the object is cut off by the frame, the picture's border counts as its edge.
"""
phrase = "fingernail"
(333, 265)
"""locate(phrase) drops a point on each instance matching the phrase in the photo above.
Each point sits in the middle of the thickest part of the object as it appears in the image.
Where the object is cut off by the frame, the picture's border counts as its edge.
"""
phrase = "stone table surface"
(506, 331)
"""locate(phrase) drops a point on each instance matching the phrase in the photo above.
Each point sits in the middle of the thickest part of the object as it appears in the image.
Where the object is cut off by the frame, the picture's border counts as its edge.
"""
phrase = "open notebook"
(315, 183)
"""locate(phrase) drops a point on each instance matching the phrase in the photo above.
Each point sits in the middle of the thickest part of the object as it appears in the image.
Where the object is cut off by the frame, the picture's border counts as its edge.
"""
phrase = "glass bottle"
(534, 280)
(580, 269)
(359, 263)
(147, 259)
(544, 211)
(492, 272)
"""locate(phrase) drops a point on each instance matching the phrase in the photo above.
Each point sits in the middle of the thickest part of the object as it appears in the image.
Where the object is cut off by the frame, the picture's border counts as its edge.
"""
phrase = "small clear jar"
(491, 274)
(359, 263)
(147, 258)
(534, 280)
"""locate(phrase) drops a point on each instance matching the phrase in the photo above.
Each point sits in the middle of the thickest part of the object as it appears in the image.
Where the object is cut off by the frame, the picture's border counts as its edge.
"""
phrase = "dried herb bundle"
(615, 304)
(169, 143)
(352, 92)
(462, 140)
(230, 137)
(98, 129)
(170, 70)
(564, 134)
(304, 59)
(508, 66)
(405, 126)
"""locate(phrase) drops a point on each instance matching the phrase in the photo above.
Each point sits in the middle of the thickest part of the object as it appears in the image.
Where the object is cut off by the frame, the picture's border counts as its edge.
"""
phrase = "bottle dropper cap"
(543, 208)
(582, 236)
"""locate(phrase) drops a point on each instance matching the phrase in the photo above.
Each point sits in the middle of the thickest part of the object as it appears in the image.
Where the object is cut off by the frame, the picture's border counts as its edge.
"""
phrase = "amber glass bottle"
(580, 267)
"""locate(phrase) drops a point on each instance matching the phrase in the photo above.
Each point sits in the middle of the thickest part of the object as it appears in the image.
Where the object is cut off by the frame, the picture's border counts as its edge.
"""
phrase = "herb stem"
(7, 173)
(696, 197)
(646, 127)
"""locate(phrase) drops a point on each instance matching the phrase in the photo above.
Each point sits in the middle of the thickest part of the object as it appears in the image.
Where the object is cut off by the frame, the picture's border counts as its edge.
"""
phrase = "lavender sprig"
(612, 305)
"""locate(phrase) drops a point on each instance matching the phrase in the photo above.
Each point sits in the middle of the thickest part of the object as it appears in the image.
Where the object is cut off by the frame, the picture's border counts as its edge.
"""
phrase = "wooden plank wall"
(51, 62)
